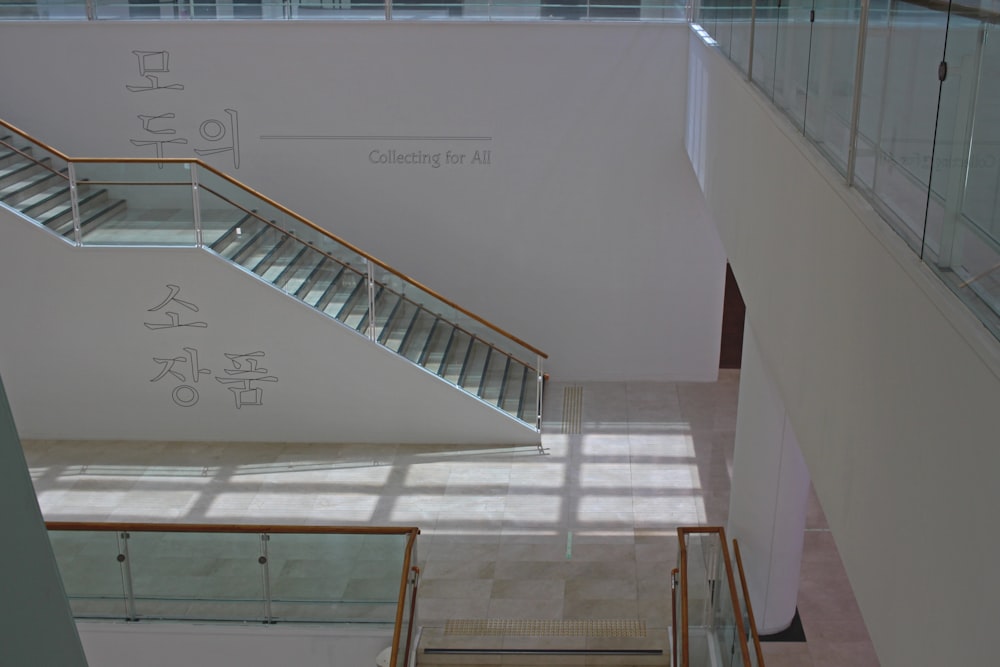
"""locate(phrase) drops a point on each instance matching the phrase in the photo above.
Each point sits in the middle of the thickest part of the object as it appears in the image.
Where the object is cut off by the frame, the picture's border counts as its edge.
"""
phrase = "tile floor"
(583, 530)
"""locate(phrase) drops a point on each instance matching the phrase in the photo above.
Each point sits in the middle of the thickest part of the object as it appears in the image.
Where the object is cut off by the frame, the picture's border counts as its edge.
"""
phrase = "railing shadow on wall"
(242, 573)
(318, 10)
(901, 98)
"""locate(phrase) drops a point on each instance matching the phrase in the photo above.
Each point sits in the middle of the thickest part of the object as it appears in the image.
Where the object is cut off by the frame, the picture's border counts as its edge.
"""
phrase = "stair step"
(459, 345)
(279, 264)
(298, 269)
(513, 391)
(495, 377)
(57, 213)
(319, 280)
(437, 346)
(92, 217)
(474, 366)
(34, 187)
(15, 170)
(233, 239)
(416, 335)
(400, 322)
(342, 292)
(250, 244)
(587, 642)
(355, 313)
(387, 305)
(8, 154)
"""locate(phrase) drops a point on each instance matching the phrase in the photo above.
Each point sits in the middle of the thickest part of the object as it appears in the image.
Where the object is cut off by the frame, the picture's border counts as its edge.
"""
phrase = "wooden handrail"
(401, 601)
(746, 599)
(291, 213)
(30, 138)
(720, 533)
(685, 650)
(146, 527)
(413, 614)
(273, 225)
(734, 598)
(674, 582)
(37, 162)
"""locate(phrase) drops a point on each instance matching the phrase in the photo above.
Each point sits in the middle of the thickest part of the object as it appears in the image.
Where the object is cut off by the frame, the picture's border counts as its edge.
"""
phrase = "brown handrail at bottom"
(751, 621)
(137, 527)
(720, 533)
(410, 531)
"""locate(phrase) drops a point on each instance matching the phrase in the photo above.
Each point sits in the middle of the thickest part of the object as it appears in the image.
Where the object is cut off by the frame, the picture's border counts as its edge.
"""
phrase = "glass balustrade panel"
(725, 633)
(429, 331)
(897, 116)
(832, 64)
(35, 181)
(739, 50)
(724, 26)
(135, 203)
(197, 576)
(53, 10)
(791, 67)
(407, 628)
(91, 573)
(708, 17)
(337, 578)
(962, 239)
(402, 10)
(328, 9)
(771, 19)
(235, 218)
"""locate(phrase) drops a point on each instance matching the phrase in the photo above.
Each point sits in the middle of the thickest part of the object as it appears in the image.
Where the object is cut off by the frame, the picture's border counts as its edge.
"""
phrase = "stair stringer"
(78, 351)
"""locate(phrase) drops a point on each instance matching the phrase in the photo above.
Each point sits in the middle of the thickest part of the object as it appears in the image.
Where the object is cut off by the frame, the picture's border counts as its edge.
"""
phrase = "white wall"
(80, 363)
(172, 644)
(891, 385)
(585, 235)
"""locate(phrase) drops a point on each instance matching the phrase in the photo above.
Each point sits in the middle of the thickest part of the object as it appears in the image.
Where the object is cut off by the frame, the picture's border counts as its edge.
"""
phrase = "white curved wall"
(892, 385)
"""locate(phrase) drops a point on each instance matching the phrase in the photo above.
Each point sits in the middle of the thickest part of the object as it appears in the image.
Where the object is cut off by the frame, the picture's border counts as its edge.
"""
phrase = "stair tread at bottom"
(653, 649)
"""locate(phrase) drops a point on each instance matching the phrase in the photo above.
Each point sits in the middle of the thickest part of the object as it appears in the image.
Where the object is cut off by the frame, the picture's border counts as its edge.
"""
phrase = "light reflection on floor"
(583, 530)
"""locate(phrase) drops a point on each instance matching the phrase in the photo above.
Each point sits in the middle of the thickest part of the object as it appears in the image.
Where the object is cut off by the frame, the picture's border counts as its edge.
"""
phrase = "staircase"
(284, 250)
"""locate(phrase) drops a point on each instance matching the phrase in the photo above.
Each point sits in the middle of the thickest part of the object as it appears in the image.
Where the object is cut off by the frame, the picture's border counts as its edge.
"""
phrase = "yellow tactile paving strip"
(546, 628)
(572, 422)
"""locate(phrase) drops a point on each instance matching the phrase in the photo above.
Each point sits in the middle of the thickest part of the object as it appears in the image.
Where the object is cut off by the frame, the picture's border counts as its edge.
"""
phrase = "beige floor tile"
(497, 522)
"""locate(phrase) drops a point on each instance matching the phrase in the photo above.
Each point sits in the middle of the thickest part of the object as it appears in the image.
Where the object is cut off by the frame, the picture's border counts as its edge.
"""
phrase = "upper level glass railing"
(184, 202)
(370, 10)
(263, 574)
(713, 620)
(902, 99)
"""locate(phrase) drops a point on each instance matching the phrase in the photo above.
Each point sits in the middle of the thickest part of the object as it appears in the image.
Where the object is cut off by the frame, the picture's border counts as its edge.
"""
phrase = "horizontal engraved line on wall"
(372, 137)
(546, 628)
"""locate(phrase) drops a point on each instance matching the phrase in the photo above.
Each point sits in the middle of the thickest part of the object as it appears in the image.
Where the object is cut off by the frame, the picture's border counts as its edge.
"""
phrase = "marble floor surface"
(584, 529)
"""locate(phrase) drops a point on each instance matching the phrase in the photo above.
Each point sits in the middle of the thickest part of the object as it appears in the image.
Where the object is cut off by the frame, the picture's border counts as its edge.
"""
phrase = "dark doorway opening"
(733, 314)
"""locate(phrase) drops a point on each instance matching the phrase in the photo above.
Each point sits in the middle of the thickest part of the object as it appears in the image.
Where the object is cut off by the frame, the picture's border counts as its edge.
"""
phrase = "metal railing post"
(196, 203)
(388, 10)
(753, 32)
(74, 200)
(859, 69)
(538, 392)
(371, 298)
(265, 574)
(123, 559)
